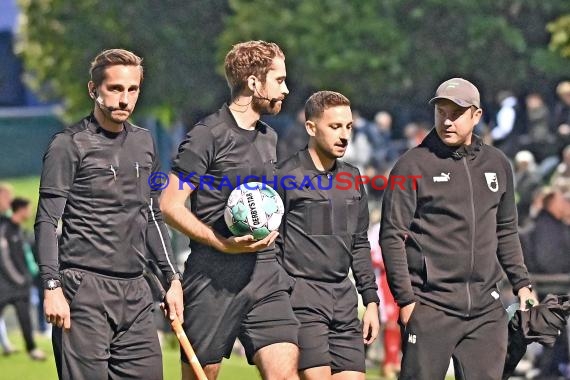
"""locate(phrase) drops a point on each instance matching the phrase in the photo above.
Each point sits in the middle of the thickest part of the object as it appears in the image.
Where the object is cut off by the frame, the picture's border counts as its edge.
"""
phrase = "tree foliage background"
(383, 54)
(560, 41)
(59, 38)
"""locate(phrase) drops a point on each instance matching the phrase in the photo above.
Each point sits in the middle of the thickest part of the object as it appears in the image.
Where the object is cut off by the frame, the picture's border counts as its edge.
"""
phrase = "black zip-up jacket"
(98, 183)
(324, 230)
(445, 242)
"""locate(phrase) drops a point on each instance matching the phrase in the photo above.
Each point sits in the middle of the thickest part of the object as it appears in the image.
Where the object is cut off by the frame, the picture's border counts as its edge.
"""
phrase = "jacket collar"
(308, 164)
(228, 119)
(434, 144)
(92, 124)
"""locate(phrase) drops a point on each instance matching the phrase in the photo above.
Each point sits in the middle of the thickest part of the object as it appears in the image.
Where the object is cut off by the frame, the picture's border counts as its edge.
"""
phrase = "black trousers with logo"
(478, 345)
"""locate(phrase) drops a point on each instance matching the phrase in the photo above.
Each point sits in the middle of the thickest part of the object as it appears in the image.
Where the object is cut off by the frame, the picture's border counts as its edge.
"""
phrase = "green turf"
(20, 367)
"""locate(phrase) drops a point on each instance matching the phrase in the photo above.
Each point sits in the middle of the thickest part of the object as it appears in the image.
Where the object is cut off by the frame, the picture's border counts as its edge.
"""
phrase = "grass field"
(20, 367)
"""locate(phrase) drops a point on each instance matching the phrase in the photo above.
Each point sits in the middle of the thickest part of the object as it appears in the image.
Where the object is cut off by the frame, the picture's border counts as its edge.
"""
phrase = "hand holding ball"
(253, 208)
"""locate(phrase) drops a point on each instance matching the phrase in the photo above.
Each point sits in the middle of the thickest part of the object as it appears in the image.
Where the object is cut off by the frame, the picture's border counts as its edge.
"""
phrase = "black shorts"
(113, 334)
(228, 297)
(330, 332)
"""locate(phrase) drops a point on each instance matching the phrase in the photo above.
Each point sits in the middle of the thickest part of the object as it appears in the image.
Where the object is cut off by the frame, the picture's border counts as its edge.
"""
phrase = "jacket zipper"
(472, 258)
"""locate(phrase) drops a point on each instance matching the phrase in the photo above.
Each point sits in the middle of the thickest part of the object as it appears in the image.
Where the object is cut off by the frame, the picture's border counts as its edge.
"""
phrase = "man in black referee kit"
(233, 286)
(447, 241)
(323, 235)
(94, 178)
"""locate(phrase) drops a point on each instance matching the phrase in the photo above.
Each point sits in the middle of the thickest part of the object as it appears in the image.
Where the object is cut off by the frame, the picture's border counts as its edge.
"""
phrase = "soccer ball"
(253, 208)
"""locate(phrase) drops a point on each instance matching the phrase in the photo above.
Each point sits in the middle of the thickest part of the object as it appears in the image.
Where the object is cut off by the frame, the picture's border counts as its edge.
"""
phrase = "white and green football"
(253, 208)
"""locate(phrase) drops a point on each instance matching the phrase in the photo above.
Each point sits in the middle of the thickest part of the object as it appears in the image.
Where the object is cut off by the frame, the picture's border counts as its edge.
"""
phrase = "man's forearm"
(183, 220)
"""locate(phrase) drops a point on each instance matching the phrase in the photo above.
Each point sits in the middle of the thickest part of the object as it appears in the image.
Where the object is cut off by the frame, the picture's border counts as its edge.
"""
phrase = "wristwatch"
(52, 284)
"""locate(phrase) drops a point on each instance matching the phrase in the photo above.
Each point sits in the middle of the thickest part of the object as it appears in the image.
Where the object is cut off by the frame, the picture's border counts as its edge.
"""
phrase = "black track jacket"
(445, 242)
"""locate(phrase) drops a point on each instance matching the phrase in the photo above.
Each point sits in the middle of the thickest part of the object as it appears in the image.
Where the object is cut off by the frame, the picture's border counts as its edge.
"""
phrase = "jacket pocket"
(103, 180)
(412, 316)
(142, 173)
(352, 208)
(318, 218)
(71, 281)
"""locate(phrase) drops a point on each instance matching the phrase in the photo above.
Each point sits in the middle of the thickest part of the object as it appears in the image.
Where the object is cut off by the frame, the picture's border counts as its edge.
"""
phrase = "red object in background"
(389, 310)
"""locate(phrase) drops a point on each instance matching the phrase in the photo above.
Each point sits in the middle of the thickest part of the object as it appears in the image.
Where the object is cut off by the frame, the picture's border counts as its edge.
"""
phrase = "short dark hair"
(321, 100)
(249, 58)
(19, 203)
(113, 57)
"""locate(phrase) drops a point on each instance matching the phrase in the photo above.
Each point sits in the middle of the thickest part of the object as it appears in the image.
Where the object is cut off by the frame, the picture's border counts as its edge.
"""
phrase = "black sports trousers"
(478, 345)
(113, 334)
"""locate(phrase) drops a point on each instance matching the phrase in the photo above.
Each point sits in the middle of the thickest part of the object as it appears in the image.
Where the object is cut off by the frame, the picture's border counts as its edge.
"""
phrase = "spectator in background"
(295, 138)
(527, 181)
(15, 278)
(6, 195)
(378, 176)
(563, 168)
(414, 133)
(562, 113)
(359, 149)
(506, 130)
(546, 245)
(539, 138)
(380, 136)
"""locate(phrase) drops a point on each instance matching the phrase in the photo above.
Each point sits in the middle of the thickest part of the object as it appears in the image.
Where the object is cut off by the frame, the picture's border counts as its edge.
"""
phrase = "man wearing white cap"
(447, 241)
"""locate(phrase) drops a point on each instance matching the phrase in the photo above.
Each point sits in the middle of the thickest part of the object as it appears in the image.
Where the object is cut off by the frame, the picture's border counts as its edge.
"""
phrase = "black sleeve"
(361, 258)
(50, 210)
(195, 154)
(60, 163)
(509, 249)
(157, 237)
(398, 208)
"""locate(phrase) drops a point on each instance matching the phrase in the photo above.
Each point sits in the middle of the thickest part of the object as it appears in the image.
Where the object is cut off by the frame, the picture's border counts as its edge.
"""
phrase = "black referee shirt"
(99, 181)
(324, 230)
(215, 157)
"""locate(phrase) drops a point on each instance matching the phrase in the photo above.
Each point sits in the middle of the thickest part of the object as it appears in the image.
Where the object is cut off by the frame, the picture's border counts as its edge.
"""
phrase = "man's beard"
(265, 107)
